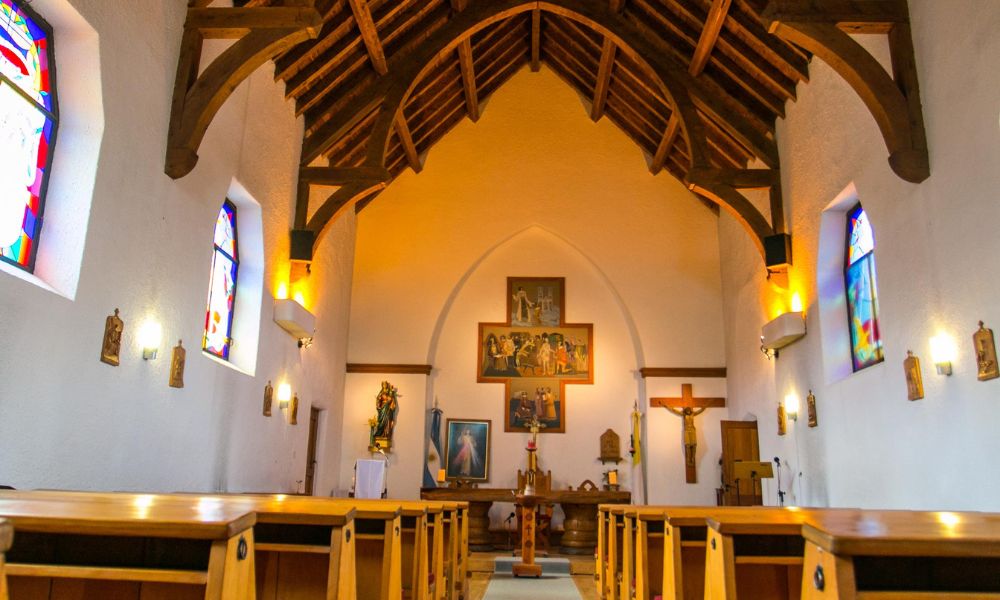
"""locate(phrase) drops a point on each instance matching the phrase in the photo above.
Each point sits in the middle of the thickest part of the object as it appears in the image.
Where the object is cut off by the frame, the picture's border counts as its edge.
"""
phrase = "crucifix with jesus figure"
(688, 407)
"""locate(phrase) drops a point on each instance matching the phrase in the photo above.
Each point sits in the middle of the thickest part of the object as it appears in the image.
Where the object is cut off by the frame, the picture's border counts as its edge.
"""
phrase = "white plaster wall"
(70, 421)
(873, 448)
(535, 188)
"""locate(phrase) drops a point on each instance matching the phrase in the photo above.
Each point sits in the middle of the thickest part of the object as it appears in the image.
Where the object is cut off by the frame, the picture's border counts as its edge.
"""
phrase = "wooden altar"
(580, 507)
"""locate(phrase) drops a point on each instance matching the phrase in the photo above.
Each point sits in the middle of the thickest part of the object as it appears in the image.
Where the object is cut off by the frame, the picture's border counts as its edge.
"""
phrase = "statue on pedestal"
(384, 421)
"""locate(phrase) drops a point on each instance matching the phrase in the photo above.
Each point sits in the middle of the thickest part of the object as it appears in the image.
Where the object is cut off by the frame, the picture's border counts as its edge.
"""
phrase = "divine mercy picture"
(467, 450)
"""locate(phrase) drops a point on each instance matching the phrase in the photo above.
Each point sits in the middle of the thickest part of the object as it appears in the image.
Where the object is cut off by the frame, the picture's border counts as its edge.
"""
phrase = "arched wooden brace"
(340, 201)
(894, 105)
(725, 194)
(264, 33)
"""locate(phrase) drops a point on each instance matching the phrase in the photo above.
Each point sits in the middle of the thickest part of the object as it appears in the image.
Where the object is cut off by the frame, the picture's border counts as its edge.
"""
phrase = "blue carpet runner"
(508, 587)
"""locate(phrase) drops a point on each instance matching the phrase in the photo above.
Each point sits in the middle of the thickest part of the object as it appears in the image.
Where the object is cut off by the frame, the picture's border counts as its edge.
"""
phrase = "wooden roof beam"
(856, 16)
(663, 149)
(469, 79)
(536, 40)
(369, 34)
(709, 35)
(894, 101)
(198, 97)
(603, 79)
(406, 140)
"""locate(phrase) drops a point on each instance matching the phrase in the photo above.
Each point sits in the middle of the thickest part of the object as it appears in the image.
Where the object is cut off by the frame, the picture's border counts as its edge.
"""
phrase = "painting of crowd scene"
(514, 352)
(530, 398)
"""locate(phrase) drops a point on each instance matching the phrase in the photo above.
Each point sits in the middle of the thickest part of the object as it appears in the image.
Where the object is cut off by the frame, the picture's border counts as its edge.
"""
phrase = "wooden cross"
(688, 407)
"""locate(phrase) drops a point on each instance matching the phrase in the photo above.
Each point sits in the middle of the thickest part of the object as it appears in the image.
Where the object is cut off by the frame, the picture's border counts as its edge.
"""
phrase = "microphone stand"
(781, 494)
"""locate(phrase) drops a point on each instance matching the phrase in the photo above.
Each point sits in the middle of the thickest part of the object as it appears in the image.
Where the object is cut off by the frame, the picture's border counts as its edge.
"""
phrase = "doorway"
(311, 451)
(739, 442)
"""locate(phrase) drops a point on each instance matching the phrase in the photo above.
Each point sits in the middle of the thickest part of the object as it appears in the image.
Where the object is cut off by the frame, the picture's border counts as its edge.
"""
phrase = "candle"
(613, 477)
(441, 476)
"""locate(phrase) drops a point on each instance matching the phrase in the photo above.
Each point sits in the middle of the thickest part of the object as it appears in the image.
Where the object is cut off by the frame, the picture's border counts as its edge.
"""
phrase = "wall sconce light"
(768, 352)
(284, 395)
(782, 331)
(792, 407)
(296, 320)
(943, 352)
(150, 337)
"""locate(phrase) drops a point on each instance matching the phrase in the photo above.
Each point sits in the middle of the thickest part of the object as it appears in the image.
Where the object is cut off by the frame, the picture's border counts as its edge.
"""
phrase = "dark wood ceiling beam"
(509, 46)
(369, 34)
(468, 79)
(724, 72)
(536, 39)
(665, 145)
(339, 176)
(745, 22)
(855, 16)
(459, 5)
(608, 51)
(894, 101)
(603, 79)
(335, 27)
(198, 97)
(403, 132)
(709, 35)
(519, 55)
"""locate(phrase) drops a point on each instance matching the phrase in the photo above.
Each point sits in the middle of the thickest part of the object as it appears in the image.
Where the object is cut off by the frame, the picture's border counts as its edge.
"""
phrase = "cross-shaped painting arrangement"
(688, 407)
(535, 353)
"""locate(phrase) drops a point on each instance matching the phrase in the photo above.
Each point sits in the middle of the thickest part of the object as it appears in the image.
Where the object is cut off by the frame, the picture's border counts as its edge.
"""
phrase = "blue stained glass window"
(28, 121)
(222, 285)
(862, 290)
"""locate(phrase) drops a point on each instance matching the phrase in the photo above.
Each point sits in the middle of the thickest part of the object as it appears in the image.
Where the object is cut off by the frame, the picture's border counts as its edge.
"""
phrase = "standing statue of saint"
(384, 421)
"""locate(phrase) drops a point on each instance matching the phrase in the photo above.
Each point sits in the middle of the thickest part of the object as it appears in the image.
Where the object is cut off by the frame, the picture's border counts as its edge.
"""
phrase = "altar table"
(580, 507)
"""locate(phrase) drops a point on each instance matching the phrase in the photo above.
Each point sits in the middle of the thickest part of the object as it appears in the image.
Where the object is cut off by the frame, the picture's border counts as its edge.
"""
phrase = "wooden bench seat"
(6, 537)
(895, 555)
(755, 554)
(129, 546)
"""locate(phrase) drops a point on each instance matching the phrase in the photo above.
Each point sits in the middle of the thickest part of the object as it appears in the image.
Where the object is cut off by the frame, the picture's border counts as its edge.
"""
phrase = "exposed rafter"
(697, 84)
(469, 79)
(262, 34)
(894, 101)
(369, 34)
(709, 35)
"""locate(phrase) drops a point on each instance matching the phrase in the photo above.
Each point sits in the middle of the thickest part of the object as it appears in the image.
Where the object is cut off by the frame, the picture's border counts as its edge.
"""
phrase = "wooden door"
(739, 442)
(311, 452)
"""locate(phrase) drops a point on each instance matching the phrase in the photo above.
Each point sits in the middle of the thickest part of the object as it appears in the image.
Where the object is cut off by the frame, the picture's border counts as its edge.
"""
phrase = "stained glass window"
(28, 119)
(222, 287)
(862, 290)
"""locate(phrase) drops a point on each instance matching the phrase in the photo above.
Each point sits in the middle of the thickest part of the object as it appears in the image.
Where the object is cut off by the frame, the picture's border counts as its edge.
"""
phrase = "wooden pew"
(307, 547)
(670, 550)
(755, 555)
(613, 562)
(627, 574)
(413, 540)
(6, 536)
(130, 546)
(437, 589)
(457, 549)
(898, 555)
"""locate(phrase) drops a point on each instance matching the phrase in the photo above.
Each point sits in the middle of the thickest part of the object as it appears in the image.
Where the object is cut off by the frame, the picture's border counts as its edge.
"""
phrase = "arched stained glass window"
(222, 287)
(862, 291)
(28, 119)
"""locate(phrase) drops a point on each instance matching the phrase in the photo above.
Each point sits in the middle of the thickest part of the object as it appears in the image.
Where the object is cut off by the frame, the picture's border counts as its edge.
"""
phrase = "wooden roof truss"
(697, 84)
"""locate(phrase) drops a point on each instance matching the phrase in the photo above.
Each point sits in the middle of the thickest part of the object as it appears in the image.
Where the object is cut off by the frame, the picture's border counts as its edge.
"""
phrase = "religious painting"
(554, 352)
(467, 450)
(535, 301)
(534, 398)
(536, 353)
(914, 380)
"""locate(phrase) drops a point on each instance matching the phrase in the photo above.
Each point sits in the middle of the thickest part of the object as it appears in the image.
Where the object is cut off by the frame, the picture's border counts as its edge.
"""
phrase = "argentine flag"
(435, 461)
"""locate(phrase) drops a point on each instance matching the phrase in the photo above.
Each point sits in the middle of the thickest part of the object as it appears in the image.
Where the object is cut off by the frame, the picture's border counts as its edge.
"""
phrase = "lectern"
(752, 470)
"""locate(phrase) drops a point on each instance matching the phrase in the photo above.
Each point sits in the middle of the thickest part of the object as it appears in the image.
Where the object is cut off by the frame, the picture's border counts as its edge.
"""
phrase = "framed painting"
(467, 450)
(535, 397)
